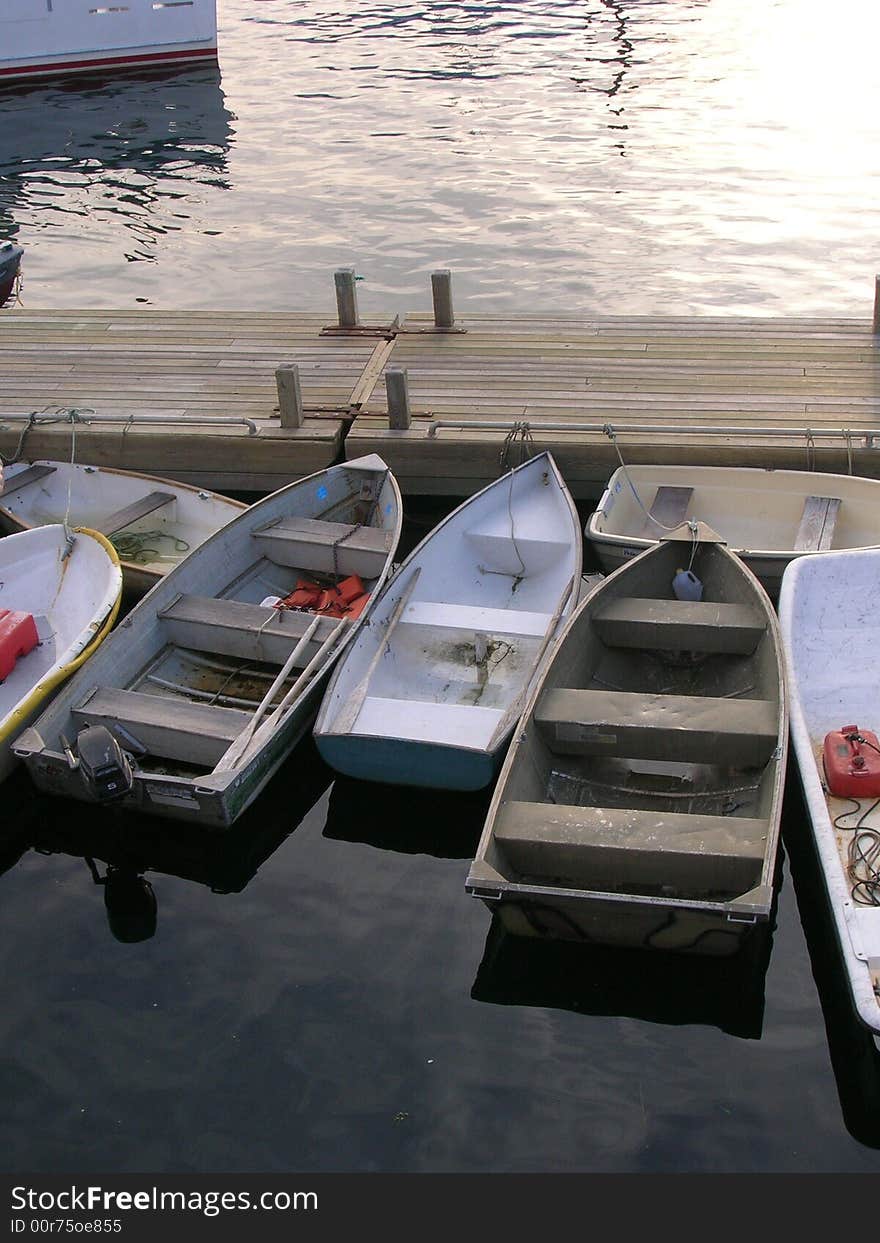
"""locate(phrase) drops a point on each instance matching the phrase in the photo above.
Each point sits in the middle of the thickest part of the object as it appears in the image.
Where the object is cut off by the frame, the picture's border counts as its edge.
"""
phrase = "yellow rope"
(41, 691)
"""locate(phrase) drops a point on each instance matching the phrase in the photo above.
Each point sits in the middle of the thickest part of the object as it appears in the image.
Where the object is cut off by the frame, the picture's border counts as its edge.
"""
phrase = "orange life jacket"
(345, 599)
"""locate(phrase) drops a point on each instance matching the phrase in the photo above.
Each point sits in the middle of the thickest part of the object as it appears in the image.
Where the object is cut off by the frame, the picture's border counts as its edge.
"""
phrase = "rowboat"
(59, 596)
(152, 522)
(41, 38)
(830, 633)
(213, 677)
(767, 517)
(429, 693)
(639, 804)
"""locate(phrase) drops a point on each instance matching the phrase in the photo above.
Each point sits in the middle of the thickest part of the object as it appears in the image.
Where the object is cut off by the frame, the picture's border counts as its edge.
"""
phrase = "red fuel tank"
(851, 757)
(18, 636)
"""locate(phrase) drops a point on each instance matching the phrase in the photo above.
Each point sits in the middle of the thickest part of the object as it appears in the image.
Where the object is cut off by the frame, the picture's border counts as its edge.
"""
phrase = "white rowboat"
(767, 517)
(430, 692)
(205, 687)
(70, 584)
(152, 522)
(829, 612)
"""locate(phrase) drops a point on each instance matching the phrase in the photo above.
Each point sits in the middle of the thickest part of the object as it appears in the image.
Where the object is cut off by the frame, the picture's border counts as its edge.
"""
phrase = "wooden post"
(346, 297)
(441, 290)
(398, 398)
(290, 402)
(876, 327)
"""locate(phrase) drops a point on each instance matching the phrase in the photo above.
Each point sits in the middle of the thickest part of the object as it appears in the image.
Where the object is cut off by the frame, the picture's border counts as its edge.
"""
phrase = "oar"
(513, 710)
(349, 712)
(244, 740)
(228, 759)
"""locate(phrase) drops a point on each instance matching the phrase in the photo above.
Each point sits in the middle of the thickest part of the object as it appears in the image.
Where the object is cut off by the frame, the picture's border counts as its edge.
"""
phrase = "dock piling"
(876, 323)
(346, 297)
(290, 402)
(441, 291)
(398, 398)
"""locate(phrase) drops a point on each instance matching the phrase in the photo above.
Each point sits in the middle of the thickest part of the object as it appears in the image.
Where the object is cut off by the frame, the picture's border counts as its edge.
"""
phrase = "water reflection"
(406, 820)
(129, 158)
(119, 848)
(854, 1056)
(727, 993)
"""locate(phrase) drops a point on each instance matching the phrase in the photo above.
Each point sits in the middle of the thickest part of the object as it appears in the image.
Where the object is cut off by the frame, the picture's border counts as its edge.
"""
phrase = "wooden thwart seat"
(131, 513)
(174, 729)
(816, 530)
(426, 721)
(475, 618)
(669, 510)
(23, 478)
(679, 625)
(308, 544)
(234, 628)
(682, 728)
(614, 848)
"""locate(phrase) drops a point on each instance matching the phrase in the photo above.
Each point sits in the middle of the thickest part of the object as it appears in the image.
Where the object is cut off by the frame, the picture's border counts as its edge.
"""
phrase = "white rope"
(692, 524)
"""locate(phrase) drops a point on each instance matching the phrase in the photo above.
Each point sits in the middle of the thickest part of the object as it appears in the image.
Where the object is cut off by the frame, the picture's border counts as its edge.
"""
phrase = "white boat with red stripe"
(45, 38)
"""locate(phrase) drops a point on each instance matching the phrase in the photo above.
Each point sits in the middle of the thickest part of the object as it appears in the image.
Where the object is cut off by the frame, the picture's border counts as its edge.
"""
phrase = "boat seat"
(23, 478)
(679, 625)
(497, 551)
(622, 848)
(234, 628)
(460, 725)
(475, 618)
(174, 729)
(683, 728)
(669, 509)
(308, 544)
(132, 513)
(816, 530)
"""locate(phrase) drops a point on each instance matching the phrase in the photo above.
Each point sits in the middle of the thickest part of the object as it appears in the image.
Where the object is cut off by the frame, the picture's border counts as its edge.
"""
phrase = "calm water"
(342, 1005)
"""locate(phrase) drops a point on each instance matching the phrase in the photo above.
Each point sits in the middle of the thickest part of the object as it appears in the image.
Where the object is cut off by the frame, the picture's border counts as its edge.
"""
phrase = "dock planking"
(790, 374)
(630, 372)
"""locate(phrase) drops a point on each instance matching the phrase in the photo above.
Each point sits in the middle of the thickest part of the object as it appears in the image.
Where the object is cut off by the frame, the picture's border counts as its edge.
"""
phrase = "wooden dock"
(792, 393)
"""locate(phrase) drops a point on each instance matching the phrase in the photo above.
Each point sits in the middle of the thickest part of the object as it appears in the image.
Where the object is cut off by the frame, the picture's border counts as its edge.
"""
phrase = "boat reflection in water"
(138, 157)
(673, 989)
(855, 1058)
(407, 820)
(120, 848)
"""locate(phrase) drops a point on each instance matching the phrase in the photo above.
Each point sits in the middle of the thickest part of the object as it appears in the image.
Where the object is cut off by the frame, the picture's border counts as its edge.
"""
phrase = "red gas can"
(18, 636)
(852, 762)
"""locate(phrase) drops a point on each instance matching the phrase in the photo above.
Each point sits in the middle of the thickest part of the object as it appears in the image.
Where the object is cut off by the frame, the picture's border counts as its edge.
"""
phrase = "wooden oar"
(230, 756)
(504, 724)
(235, 753)
(349, 713)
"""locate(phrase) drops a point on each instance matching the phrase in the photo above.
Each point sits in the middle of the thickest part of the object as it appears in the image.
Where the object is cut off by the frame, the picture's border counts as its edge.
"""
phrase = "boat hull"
(762, 514)
(40, 40)
(400, 761)
(162, 666)
(74, 597)
(830, 663)
(430, 693)
(639, 804)
(90, 496)
(621, 924)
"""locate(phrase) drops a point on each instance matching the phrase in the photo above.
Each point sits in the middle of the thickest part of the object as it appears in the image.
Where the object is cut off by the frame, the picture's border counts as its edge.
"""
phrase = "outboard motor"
(105, 767)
